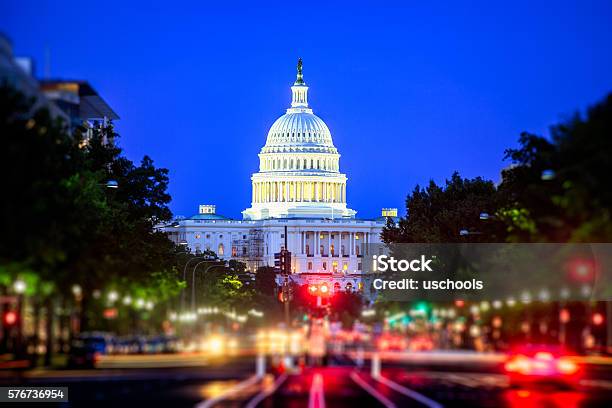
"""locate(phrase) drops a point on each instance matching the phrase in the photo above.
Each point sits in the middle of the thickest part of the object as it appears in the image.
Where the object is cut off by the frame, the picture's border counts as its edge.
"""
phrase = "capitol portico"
(298, 190)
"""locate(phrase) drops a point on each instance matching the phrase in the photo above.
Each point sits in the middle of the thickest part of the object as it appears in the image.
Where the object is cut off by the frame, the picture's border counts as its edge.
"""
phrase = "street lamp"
(112, 184)
(464, 233)
(193, 292)
(113, 296)
(19, 286)
(547, 175)
(185, 273)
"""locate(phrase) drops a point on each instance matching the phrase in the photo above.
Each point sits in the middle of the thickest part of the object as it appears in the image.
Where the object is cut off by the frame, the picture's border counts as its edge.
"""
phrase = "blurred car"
(541, 364)
(391, 342)
(420, 343)
(86, 351)
(159, 344)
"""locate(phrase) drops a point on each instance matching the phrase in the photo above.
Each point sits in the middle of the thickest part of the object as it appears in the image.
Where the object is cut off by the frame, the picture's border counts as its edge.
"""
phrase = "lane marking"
(372, 391)
(235, 389)
(316, 398)
(409, 393)
(266, 393)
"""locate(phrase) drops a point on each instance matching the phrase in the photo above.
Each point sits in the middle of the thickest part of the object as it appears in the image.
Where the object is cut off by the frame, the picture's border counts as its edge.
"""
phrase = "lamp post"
(19, 287)
(193, 292)
(184, 277)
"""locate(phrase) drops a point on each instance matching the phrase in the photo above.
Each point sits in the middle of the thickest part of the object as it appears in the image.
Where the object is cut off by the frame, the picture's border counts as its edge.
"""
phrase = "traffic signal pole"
(286, 270)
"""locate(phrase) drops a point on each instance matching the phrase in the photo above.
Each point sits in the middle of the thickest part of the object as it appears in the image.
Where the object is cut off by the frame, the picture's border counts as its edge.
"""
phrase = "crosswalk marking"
(372, 391)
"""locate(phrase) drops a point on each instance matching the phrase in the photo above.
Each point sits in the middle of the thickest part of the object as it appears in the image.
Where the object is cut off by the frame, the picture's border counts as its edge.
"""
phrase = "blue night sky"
(411, 92)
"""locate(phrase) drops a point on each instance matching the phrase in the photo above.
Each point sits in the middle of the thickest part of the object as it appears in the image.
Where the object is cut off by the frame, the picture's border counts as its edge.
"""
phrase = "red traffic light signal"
(597, 319)
(582, 270)
(10, 318)
(319, 289)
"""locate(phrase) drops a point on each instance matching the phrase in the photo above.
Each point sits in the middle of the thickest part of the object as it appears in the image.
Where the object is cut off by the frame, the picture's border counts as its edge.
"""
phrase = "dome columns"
(299, 191)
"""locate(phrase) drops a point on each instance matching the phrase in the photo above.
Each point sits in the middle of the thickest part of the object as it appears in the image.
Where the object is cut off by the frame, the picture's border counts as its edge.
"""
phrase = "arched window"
(220, 250)
(348, 288)
(336, 287)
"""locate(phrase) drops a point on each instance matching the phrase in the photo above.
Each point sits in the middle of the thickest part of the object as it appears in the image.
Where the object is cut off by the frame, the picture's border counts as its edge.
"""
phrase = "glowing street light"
(113, 296)
(19, 286)
(112, 184)
(77, 291)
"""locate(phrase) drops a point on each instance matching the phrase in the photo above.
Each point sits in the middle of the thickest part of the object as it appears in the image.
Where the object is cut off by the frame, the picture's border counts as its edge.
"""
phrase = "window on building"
(324, 266)
(207, 236)
(336, 287)
(244, 250)
(234, 251)
(220, 236)
(322, 250)
(220, 250)
(342, 250)
(357, 250)
(335, 266)
(349, 287)
(282, 235)
(359, 266)
(307, 249)
(197, 236)
(345, 266)
(310, 266)
(332, 250)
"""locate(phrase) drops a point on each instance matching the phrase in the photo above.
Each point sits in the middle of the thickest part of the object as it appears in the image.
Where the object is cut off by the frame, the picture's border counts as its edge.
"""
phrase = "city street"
(233, 383)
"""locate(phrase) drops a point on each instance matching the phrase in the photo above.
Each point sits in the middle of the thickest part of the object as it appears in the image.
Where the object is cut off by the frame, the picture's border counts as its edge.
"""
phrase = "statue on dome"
(300, 77)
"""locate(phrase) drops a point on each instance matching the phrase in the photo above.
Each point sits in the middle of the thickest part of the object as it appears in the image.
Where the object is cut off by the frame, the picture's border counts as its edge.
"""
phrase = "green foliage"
(575, 204)
(63, 226)
(436, 214)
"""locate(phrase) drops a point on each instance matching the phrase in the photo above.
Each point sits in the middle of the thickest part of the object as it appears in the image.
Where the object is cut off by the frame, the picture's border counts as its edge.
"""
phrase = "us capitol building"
(299, 186)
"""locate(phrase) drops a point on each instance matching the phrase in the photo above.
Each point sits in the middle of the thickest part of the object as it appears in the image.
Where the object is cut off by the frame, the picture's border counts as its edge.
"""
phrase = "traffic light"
(10, 318)
(319, 289)
(282, 262)
(582, 270)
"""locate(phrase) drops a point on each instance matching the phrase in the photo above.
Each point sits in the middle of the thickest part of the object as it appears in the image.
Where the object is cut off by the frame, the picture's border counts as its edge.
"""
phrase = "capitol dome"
(299, 131)
(299, 166)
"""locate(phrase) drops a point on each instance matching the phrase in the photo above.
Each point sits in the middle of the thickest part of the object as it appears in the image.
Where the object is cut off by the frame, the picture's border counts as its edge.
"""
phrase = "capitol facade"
(298, 191)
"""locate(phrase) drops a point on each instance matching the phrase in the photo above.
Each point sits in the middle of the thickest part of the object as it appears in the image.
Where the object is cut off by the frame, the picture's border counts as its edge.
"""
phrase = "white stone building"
(298, 189)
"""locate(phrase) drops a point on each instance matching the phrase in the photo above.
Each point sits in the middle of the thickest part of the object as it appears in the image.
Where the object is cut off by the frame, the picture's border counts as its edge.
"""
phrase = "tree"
(560, 187)
(437, 214)
(64, 226)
